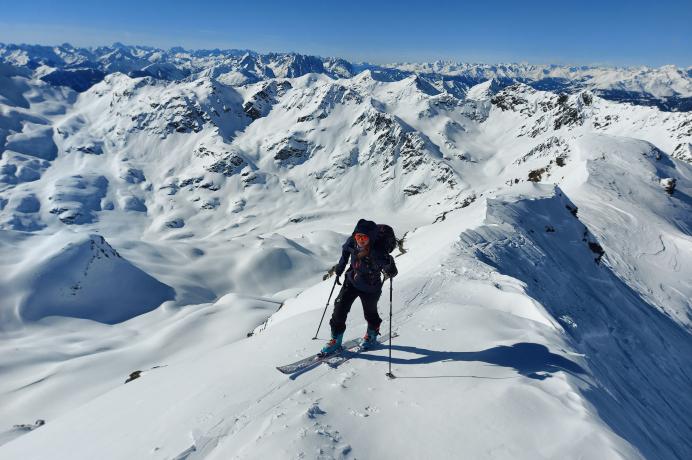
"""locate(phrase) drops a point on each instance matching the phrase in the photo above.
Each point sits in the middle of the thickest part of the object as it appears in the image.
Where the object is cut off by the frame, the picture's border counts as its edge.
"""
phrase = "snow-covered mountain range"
(667, 87)
(166, 217)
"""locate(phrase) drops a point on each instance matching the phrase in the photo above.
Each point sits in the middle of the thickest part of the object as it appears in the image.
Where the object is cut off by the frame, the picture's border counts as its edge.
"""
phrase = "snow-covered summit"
(83, 277)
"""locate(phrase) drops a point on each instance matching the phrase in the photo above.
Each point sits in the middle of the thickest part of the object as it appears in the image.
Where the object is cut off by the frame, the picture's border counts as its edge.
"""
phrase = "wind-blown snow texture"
(166, 218)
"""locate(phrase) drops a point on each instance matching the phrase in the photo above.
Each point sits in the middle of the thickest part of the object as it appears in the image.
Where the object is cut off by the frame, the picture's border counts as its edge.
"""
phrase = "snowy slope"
(500, 366)
(182, 228)
(327, 409)
(96, 275)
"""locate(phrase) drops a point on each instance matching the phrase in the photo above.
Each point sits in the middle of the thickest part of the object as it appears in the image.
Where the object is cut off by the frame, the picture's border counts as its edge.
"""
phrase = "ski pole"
(325, 307)
(389, 374)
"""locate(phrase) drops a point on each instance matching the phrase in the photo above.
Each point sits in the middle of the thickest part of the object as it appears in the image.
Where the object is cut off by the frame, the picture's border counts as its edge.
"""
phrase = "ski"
(333, 359)
(345, 355)
(316, 358)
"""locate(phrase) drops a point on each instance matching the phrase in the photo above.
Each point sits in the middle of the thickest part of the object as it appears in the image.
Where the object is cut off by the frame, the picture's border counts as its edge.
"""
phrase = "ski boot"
(370, 338)
(333, 345)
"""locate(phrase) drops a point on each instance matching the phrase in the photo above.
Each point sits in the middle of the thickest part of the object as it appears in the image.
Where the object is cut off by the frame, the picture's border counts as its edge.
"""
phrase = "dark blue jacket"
(364, 274)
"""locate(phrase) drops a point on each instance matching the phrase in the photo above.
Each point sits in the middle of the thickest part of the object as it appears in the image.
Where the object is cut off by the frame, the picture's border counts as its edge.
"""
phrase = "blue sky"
(585, 32)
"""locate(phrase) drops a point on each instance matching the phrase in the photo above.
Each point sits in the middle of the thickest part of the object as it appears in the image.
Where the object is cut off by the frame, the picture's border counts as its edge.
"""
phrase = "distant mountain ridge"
(669, 87)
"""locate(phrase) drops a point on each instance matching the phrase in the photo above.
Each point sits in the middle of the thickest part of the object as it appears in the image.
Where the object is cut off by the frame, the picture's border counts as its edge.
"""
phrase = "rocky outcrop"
(554, 148)
(262, 101)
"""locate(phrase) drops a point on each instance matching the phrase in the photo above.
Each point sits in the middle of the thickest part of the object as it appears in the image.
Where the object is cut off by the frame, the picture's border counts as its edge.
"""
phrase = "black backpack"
(386, 240)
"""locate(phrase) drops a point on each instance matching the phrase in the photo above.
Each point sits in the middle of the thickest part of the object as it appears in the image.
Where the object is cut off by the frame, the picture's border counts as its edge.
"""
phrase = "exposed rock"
(134, 375)
(387, 134)
(232, 163)
(292, 151)
(567, 114)
(211, 204)
(607, 120)
(460, 205)
(596, 249)
(90, 149)
(262, 101)
(554, 148)
(334, 96)
(29, 427)
(250, 176)
(587, 98)
(415, 189)
(683, 152)
(536, 174)
(668, 184)
(512, 98)
(190, 181)
(210, 185)
(412, 151)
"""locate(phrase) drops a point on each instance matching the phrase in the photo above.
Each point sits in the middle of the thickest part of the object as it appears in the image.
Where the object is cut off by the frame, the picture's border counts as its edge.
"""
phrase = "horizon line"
(383, 64)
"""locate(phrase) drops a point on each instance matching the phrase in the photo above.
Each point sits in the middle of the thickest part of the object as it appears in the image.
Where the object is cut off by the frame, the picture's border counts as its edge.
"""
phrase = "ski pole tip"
(390, 375)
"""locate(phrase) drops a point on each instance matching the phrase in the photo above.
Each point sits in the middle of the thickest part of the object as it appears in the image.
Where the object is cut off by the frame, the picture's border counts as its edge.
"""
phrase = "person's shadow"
(528, 359)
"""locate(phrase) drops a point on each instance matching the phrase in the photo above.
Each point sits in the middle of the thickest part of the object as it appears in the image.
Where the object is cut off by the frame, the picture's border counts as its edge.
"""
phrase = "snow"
(175, 235)
(83, 274)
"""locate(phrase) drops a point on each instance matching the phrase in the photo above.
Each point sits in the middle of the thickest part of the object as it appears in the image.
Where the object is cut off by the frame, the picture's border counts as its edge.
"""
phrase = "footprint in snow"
(368, 411)
(345, 377)
(432, 328)
(357, 413)
(372, 409)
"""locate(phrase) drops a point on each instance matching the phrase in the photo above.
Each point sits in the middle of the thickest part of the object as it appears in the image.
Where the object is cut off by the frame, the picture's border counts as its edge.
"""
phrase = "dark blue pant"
(342, 305)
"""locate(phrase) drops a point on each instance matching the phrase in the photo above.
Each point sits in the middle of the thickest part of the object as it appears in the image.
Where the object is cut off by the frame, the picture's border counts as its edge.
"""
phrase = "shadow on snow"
(531, 360)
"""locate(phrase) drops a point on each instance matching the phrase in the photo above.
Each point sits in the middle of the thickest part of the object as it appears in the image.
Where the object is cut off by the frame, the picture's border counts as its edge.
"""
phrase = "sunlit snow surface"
(181, 229)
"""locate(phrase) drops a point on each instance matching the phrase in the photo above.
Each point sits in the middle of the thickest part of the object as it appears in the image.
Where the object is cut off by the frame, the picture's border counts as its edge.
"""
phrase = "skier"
(362, 280)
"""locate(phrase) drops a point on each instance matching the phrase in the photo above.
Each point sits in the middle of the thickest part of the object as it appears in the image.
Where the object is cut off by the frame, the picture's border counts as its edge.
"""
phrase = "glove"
(334, 270)
(390, 271)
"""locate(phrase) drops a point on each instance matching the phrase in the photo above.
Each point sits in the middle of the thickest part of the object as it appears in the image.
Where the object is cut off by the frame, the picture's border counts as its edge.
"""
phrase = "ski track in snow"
(222, 430)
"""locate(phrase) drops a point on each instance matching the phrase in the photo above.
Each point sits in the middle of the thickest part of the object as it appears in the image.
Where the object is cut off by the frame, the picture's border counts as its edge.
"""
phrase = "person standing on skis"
(362, 281)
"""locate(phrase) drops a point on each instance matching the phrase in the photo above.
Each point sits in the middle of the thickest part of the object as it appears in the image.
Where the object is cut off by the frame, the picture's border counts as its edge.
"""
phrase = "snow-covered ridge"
(667, 87)
(504, 265)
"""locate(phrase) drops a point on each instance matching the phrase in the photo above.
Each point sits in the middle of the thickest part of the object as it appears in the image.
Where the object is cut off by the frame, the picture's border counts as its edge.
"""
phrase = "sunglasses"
(361, 237)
